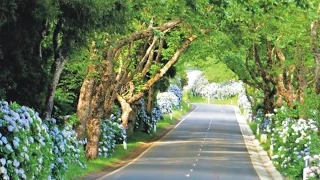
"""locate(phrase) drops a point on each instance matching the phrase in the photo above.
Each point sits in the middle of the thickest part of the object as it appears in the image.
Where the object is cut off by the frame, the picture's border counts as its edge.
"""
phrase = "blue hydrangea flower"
(3, 161)
(31, 139)
(4, 140)
(15, 144)
(16, 163)
(8, 147)
(59, 160)
(3, 170)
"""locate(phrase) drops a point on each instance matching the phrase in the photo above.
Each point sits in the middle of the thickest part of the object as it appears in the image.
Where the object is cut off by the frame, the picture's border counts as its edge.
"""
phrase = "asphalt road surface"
(206, 145)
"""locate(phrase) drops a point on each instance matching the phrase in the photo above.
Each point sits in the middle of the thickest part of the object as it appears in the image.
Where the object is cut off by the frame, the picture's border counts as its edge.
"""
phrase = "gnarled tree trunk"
(83, 107)
(150, 101)
(93, 130)
(269, 102)
(301, 76)
(103, 94)
(315, 47)
(284, 81)
(126, 109)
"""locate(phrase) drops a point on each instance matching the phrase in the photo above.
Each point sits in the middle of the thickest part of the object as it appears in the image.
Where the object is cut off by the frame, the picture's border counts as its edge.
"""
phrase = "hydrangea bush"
(28, 149)
(199, 86)
(66, 148)
(243, 100)
(313, 170)
(143, 122)
(176, 91)
(292, 139)
(167, 101)
(203, 88)
(156, 114)
(111, 134)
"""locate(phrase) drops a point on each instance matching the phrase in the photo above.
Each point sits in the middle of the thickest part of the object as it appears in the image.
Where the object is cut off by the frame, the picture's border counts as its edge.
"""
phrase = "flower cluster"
(156, 114)
(292, 139)
(243, 100)
(111, 133)
(313, 171)
(173, 88)
(167, 101)
(28, 148)
(65, 148)
(205, 89)
(143, 122)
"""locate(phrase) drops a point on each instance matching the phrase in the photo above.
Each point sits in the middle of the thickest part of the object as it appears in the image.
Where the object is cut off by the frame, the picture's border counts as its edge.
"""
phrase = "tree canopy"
(85, 56)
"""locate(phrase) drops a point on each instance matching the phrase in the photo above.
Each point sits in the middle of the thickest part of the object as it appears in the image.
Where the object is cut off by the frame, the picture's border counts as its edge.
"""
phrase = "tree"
(101, 86)
(263, 46)
(38, 37)
(75, 21)
(315, 35)
(133, 97)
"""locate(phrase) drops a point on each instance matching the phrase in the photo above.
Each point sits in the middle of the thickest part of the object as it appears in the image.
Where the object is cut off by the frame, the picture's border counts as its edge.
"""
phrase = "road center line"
(134, 160)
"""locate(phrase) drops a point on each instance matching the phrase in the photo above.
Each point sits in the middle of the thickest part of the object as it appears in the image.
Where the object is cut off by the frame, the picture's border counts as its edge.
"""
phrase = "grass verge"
(137, 140)
(266, 146)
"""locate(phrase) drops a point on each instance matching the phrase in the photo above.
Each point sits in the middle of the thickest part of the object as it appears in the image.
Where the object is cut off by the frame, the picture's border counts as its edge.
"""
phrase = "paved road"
(207, 145)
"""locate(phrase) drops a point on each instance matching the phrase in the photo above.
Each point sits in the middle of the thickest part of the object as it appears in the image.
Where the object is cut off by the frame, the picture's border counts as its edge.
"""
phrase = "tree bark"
(149, 61)
(93, 129)
(126, 109)
(94, 104)
(269, 102)
(83, 107)
(284, 83)
(56, 69)
(150, 101)
(100, 106)
(315, 40)
(301, 76)
(145, 33)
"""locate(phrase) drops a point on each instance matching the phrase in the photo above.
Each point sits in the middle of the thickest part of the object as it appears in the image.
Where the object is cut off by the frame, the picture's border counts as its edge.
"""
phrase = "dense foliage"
(37, 37)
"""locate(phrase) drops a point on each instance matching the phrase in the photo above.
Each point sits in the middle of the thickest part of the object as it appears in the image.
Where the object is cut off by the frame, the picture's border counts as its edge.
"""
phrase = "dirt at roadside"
(132, 155)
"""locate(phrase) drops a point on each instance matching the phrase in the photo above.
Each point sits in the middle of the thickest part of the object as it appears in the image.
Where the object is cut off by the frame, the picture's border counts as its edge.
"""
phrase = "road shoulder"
(259, 157)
